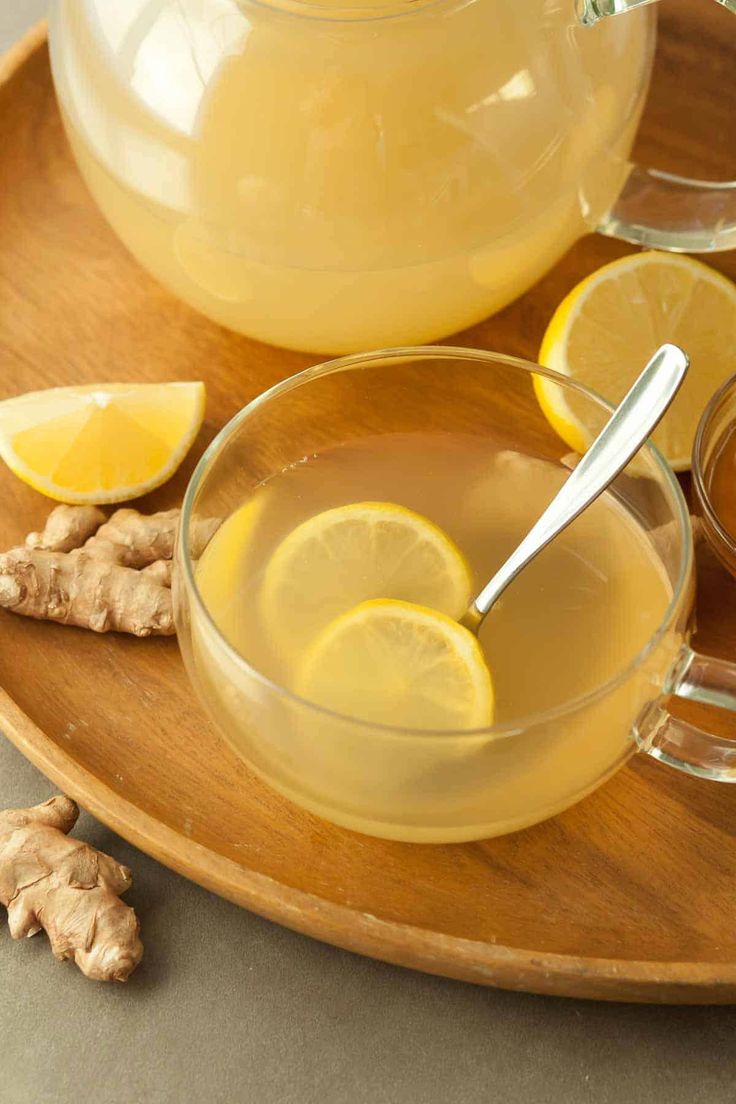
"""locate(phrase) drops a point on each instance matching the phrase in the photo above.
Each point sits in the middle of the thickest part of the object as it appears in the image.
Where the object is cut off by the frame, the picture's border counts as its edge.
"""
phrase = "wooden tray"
(629, 896)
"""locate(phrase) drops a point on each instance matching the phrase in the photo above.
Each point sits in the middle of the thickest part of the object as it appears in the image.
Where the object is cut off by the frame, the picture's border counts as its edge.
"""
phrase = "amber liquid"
(574, 621)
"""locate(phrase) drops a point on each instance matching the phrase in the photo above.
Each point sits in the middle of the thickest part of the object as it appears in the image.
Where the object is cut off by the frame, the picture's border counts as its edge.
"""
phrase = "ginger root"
(67, 527)
(92, 594)
(106, 575)
(67, 888)
(138, 540)
(159, 572)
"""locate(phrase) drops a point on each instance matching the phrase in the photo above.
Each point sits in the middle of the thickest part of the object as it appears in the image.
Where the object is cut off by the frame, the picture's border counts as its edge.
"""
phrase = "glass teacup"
(426, 786)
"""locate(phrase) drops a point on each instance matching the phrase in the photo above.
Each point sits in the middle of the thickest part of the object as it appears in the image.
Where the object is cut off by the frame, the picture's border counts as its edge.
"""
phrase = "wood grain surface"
(628, 896)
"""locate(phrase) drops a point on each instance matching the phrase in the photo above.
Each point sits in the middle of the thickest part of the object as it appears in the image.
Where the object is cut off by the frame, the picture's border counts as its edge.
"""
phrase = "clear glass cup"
(338, 175)
(441, 787)
(718, 418)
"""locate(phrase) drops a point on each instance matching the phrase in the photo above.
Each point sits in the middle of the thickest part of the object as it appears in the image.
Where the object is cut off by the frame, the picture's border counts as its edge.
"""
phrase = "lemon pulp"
(350, 554)
(397, 663)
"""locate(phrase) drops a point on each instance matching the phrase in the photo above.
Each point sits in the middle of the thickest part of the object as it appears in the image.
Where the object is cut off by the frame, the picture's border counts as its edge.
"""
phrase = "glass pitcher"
(334, 178)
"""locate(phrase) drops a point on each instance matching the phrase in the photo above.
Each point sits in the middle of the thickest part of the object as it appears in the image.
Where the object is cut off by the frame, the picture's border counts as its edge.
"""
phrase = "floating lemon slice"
(100, 444)
(350, 554)
(399, 664)
(612, 322)
(226, 561)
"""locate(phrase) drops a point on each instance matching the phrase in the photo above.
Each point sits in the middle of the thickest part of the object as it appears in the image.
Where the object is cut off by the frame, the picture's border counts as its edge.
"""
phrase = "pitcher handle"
(681, 744)
(661, 210)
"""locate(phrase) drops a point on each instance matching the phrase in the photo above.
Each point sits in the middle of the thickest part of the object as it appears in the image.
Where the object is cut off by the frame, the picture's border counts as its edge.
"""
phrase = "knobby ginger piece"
(67, 888)
(137, 540)
(67, 527)
(159, 572)
(92, 594)
(108, 576)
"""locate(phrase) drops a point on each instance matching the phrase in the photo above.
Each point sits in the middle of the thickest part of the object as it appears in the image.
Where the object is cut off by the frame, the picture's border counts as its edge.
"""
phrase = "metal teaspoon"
(628, 428)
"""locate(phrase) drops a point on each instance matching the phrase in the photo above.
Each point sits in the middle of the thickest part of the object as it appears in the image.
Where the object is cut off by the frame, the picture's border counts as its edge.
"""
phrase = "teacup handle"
(658, 209)
(590, 11)
(681, 744)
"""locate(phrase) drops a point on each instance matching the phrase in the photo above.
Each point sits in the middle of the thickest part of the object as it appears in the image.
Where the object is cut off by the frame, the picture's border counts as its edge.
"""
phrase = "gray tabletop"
(228, 1007)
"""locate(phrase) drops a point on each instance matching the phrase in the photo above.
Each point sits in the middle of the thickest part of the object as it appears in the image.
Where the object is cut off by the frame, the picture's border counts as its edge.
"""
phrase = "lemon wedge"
(100, 444)
(349, 554)
(399, 664)
(608, 327)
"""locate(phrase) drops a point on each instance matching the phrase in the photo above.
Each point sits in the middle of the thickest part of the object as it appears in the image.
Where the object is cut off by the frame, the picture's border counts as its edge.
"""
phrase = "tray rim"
(401, 944)
(433, 952)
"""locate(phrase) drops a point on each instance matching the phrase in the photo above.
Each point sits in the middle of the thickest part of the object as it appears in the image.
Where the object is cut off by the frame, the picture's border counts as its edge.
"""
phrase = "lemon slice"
(226, 561)
(100, 444)
(609, 326)
(399, 664)
(350, 554)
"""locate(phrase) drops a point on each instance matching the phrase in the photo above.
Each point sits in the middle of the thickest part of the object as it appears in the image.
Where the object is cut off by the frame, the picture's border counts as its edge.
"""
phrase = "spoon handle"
(622, 437)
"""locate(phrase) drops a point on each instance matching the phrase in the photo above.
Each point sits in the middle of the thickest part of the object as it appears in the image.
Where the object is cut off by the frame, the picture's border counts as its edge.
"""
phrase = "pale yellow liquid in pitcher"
(343, 184)
(574, 620)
